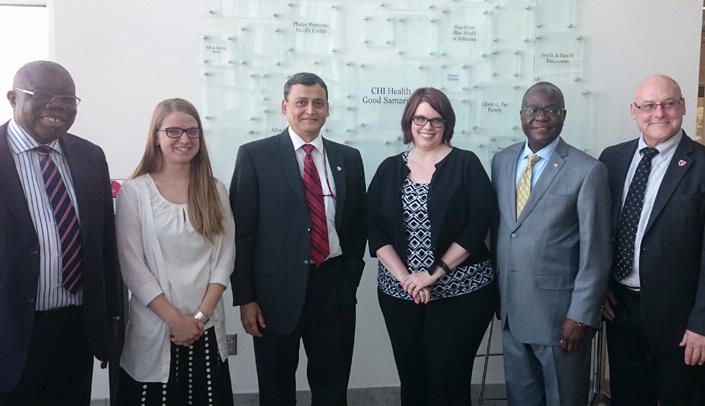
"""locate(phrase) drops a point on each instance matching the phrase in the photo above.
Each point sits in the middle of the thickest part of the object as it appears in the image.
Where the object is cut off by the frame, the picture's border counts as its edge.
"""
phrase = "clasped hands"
(417, 285)
(186, 330)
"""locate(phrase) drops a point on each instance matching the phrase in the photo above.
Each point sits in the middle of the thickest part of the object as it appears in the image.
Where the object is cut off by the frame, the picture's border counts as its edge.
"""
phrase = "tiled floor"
(494, 395)
(388, 396)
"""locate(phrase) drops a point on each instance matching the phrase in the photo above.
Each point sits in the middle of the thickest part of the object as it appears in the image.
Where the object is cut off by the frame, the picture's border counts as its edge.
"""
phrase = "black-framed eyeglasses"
(43, 98)
(651, 107)
(177, 132)
(532, 111)
(436, 122)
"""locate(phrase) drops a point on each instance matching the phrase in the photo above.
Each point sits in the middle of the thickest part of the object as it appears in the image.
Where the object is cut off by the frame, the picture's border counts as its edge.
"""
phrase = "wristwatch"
(201, 317)
(441, 265)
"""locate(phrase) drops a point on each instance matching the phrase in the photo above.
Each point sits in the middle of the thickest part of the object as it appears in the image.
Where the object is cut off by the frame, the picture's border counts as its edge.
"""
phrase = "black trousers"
(327, 329)
(59, 368)
(435, 344)
(640, 374)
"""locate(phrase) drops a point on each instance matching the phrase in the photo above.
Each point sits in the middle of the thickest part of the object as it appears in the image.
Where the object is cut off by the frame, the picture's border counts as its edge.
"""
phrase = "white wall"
(126, 56)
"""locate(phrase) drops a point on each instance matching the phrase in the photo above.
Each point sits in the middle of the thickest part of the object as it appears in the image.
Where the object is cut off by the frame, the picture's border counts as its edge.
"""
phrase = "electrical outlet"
(231, 344)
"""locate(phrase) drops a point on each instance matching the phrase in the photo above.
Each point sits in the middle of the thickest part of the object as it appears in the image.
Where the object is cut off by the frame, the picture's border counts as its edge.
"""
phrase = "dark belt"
(59, 311)
(629, 289)
(329, 262)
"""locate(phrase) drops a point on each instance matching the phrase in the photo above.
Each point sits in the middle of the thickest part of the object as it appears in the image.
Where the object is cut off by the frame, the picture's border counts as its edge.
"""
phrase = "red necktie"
(316, 209)
(66, 222)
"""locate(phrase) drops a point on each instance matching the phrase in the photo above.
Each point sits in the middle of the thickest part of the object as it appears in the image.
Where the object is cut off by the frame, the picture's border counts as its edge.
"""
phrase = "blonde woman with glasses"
(176, 243)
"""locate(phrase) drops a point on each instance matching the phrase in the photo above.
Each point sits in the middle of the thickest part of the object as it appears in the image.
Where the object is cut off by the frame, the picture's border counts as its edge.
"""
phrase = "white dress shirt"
(320, 159)
(50, 293)
(659, 164)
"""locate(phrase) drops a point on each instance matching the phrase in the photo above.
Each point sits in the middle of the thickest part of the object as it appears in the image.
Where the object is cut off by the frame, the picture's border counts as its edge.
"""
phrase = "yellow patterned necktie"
(524, 187)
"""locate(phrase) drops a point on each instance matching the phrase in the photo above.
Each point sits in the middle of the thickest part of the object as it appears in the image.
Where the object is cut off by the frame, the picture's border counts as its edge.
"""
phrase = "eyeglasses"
(176, 132)
(548, 111)
(43, 98)
(436, 122)
(651, 107)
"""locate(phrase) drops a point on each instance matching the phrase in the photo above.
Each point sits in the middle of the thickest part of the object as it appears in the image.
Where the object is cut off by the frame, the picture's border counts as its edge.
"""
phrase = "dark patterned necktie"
(314, 197)
(66, 222)
(631, 213)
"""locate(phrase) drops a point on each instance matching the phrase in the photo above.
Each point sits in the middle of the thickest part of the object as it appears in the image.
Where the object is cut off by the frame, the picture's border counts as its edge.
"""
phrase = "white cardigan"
(146, 354)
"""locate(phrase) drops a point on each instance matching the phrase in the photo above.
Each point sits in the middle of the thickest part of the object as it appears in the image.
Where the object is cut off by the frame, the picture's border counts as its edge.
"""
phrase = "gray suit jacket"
(553, 261)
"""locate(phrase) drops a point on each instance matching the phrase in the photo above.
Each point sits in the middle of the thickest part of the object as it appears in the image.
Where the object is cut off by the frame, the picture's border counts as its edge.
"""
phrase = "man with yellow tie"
(552, 247)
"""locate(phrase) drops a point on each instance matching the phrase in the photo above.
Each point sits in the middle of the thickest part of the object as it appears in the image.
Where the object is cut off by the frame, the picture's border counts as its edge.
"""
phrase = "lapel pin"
(681, 163)
(555, 164)
(338, 168)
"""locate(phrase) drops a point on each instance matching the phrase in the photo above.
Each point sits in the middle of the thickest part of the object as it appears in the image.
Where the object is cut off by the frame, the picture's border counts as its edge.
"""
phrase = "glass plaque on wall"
(558, 56)
(242, 8)
(555, 15)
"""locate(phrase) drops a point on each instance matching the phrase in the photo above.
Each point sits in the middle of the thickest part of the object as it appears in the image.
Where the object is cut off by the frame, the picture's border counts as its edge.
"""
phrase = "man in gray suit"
(552, 246)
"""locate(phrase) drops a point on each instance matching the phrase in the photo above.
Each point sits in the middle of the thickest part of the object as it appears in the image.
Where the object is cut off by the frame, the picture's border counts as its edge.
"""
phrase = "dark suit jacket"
(671, 265)
(19, 255)
(272, 228)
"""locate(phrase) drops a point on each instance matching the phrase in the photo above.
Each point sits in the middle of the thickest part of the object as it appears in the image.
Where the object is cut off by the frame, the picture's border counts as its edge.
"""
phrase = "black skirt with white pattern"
(197, 377)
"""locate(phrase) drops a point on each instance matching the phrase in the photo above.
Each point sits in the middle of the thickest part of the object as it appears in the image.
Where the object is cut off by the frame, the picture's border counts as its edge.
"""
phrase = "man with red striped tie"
(60, 287)
(299, 206)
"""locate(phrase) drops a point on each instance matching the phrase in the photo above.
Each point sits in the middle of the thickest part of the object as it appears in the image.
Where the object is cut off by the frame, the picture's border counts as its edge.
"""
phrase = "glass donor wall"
(374, 54)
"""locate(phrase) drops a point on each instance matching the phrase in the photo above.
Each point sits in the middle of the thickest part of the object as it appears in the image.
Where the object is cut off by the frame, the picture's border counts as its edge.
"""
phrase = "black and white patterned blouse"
(462, 280)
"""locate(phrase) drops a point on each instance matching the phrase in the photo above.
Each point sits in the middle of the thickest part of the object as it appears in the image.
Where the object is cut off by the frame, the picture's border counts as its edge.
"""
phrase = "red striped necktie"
(314, 197)
(66, 222)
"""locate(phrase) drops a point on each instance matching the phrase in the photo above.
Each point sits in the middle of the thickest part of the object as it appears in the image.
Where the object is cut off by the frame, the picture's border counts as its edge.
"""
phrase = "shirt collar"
(20, 141)
(298, 142)
(545, 152)
(666, 148)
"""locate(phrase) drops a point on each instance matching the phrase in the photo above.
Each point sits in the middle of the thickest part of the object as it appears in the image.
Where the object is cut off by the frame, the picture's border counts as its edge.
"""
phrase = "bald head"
(657, 81)
(658, 109)
(547, 87)
(43, 99)
(25, 74)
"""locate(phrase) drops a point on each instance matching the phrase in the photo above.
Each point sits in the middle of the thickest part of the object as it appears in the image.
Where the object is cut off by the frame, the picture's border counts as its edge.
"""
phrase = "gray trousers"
(545, 374)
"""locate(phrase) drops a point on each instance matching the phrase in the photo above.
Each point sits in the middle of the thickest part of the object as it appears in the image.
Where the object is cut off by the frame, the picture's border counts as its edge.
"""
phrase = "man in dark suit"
(298, 201)
(59, 303)
(656, 304)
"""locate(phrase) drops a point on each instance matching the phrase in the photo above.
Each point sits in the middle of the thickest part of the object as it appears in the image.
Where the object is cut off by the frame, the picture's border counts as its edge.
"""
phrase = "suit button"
(30, 299)
(34, 251)
(514, 235)
(308, 230)
(306, 262)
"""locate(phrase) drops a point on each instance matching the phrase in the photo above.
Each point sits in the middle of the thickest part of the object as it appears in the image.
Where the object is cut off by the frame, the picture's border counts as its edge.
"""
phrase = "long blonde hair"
(204, 207)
